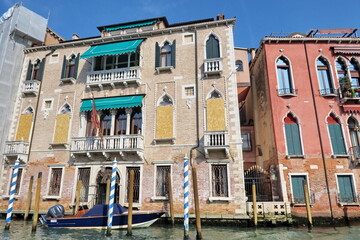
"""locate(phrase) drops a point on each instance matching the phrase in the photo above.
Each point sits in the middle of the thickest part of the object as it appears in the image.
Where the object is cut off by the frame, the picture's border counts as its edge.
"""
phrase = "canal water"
(22, 230)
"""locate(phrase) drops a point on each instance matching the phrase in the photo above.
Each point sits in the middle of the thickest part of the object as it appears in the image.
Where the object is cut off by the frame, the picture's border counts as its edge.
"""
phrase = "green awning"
(112, 103)
(130, 26)
(112, 49)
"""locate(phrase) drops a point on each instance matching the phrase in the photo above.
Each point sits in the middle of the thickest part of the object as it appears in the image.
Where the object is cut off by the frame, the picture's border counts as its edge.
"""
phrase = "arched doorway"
(261, 178)
(101, 179)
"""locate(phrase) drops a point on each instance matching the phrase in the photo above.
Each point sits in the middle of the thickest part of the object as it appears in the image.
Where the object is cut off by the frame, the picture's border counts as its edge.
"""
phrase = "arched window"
(165, 55)
(215, 112)
(70, 67)
(354, 73)
(164, 118)
(239, 66)
(215, 94)
(165, 101)
(323, 70)
(136, 121)
(36, 71)
(353, 126)
(284, 77)
(106, 123)
(29, 110)
(336, 135)
(212, 47)
(121, 123)
(292, 132)
(341, 68)
(65, 109)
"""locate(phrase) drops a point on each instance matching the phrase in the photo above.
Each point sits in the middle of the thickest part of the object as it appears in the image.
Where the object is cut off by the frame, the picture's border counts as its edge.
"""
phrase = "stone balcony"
(213, 66)
(16, 150)
(216, 141)
(121, 144)
(31, 87)
(113, 77)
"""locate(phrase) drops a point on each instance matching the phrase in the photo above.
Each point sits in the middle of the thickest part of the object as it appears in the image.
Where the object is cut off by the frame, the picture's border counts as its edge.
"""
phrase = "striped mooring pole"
(186, 197)
(112, 196)
(12, 194)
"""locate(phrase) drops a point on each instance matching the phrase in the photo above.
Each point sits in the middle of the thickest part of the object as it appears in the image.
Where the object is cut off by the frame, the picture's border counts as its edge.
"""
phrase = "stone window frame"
(184, 91)
(356, 203)
(51, 167)
(43, 106)
(54, 58)
(156, 165)
(291, 188)
(215, 198)
(7, 193)
(188, 34)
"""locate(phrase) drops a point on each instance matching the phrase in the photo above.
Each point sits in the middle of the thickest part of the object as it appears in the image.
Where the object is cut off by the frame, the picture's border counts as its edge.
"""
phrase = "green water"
(22, 230)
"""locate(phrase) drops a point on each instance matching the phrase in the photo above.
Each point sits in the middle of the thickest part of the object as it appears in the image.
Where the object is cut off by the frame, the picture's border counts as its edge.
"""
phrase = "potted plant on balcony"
(346, 89)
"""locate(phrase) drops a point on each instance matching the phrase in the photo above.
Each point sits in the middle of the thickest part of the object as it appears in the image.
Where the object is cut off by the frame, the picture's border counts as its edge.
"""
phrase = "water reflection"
(22, 230)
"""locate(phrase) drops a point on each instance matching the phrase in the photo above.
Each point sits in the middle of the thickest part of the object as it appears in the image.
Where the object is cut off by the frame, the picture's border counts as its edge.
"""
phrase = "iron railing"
(347, 199)
(287, 91)
(327, 91)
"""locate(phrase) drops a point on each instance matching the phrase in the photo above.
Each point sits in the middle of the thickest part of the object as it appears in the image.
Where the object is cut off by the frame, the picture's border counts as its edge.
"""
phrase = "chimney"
(220, 16)
(252, 53)
(75, 36)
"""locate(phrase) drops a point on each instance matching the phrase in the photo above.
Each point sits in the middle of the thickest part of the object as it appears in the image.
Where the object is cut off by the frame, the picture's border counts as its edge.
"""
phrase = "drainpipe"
(197, 100)
(319, 133)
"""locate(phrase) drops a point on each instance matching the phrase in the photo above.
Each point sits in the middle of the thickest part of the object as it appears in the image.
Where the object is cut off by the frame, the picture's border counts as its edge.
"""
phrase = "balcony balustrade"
(31, 87)
(16, 149)
(108, 144)
(112, 77)
(216, 140)
(212, 66)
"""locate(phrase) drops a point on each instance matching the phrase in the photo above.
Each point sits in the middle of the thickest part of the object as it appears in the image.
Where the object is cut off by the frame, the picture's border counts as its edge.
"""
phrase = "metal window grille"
(246, 146)
(162, 183)
(18, 181)
(261, 178)
(219, 181)
(84, 176)
(136, 183)
(55, 181)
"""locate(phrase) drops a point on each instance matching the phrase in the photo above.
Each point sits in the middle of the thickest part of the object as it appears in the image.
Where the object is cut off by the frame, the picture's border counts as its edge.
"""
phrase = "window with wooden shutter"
(346, 189)
(212, 47)
(55, 181)
(297, 184)
(336, 136)
(136, 183)
(292, 132)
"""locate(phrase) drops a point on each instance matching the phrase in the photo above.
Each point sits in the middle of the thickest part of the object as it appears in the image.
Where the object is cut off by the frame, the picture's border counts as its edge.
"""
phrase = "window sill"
(340, 156)
(301, 204)
(164, 69)
(349, 204)
(164, 140)
(159, 198)
(57, 198)
(135, 205)
(329, 95)
(288, 95)
(220, 199)
(59, 145)
(16, 197)
(295, 156)
(67, 80)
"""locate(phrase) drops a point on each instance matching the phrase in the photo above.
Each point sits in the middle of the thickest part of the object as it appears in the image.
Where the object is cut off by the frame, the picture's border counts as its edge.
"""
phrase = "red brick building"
(306, 112)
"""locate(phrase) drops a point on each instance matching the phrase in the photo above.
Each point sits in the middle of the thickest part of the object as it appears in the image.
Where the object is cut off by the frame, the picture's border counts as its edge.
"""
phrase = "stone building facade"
(161, 91)
(306, 118)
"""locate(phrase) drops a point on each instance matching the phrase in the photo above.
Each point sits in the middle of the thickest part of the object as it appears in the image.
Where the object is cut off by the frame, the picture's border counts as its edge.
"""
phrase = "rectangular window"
(293, 141)
(219, 180)
(136, 183)
(188, 38)
(162, 181)
(84, 176)
(55, 181)
(47, 104)
(246, 138)
(346, 189)
(337, 139)
(54, 58)
(189, 91)
(297, 184)
(18, 181)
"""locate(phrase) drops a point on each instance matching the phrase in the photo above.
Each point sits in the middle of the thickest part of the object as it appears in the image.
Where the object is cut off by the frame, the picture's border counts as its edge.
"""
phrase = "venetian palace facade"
(307, 118)
(161, 91)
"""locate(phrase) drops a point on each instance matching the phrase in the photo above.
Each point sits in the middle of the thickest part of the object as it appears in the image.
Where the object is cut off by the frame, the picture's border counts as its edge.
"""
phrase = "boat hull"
(140, 219)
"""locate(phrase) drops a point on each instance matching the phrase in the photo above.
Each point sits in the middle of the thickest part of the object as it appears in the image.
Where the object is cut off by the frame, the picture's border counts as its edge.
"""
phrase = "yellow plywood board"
(164, 122)
(62, 128)
(215, 114)
(24, 127)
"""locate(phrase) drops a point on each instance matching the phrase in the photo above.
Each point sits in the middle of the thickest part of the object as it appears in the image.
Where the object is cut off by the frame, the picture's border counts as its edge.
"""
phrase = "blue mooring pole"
(111, 199)
(12, 194)
(186, 197)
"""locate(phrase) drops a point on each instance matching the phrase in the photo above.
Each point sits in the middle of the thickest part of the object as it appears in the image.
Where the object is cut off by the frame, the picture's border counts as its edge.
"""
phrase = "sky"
(255, 18)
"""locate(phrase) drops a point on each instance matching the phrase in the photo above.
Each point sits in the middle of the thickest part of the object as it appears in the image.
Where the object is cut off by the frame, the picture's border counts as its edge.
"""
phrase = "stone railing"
(270, 210)
(118, 75)
(31, 86)
(108, 143)
(212, 66)
(216, 139)
(16, 147)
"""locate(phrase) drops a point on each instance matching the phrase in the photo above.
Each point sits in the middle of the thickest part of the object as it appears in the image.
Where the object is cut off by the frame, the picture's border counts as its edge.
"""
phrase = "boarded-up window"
(215, 114)
(162, 183)
(24, 127)
(18, 181)
(84, 176)
(136, 183)
(164, 118)
(55, 182)
(62, 125)
(219, 180)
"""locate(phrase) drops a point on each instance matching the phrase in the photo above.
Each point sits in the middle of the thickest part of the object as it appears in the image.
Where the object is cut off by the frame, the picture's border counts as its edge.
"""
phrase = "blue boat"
(97, 217)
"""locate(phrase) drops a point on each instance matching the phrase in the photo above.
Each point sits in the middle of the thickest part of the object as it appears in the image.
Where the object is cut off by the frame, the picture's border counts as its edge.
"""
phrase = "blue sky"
(255, 18)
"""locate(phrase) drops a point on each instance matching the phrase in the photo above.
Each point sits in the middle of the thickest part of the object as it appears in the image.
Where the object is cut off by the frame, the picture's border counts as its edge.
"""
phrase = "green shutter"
(337, 139)
(297, 183)
(157, 55)
(173, 53)
(29, 71)
(41, 69)
(346, 188)
(63, 71)
(293, 141)
(76, 65)
(212, 48)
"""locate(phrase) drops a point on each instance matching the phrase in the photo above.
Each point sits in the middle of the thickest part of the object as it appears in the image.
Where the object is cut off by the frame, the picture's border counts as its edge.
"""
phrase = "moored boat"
(97, 217)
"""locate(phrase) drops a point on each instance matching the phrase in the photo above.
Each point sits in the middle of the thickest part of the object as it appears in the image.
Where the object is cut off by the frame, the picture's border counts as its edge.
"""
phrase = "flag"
(95, 124)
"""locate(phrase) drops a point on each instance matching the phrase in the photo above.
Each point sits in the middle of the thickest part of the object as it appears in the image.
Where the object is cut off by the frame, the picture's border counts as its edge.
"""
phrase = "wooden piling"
(254, 203)
(28, 198)
(131, 197)
(307, 202)
(107, 191)
(77, 198)
(171, 200)
(37, 202)
(197, 207)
